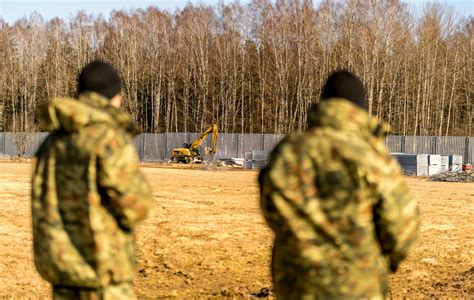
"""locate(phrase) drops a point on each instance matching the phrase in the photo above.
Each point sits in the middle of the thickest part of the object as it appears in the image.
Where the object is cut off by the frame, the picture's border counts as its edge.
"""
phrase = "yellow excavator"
(190, 152)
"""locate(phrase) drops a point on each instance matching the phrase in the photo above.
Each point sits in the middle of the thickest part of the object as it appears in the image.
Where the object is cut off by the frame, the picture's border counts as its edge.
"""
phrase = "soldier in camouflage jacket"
(88, 195)
(341, 212)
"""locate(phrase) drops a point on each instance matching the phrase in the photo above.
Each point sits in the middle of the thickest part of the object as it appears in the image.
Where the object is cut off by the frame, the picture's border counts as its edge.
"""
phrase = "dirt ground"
(207, 238)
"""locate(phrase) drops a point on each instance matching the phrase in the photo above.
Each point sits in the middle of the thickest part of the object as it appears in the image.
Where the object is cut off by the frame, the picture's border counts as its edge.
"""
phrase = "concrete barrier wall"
(158, 146)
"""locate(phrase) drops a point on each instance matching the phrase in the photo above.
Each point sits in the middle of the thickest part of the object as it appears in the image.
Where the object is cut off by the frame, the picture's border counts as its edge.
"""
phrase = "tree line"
(252, 67)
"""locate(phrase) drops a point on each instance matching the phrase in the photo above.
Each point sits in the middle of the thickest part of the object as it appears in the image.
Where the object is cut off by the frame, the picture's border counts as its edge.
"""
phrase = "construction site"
(197, 95)
(208, 239)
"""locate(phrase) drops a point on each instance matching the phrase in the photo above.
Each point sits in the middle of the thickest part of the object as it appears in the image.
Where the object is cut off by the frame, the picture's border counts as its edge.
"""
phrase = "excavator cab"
(190, 152)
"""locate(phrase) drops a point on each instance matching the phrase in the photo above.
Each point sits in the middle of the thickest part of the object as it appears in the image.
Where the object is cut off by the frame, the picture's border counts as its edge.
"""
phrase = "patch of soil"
(207, 238)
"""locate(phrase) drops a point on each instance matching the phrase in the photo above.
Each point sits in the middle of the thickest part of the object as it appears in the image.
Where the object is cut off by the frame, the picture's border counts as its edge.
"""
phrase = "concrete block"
(411, 159)
(444, 160)
(455, 159)
(248, 164)
(434, 169)
(415, 170)
(434, 160)
(258, 165)
(260, 155)
(444, 168)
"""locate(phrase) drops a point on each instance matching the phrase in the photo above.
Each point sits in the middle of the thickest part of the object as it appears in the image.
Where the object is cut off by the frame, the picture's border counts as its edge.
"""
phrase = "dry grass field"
(207, 238)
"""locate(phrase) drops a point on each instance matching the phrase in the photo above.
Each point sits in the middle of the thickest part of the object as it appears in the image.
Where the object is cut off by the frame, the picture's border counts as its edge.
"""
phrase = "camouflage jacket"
(339, 207)
(88, 194)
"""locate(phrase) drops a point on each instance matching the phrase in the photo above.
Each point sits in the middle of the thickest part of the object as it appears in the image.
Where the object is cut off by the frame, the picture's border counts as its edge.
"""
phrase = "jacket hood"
(341, 114)
(71, 115)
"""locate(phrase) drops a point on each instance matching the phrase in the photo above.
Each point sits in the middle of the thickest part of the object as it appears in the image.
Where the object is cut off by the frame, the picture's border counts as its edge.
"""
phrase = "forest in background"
(252, 68)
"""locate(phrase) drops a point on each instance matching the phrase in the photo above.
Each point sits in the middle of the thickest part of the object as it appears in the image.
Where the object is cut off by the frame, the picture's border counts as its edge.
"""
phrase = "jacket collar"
(341, 114)
(67, 114)
(94, 99)
(120, 117)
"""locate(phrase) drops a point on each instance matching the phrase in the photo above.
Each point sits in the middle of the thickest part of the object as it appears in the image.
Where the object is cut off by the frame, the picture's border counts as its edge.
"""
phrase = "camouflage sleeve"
(396, 215)
(275, 182)
(123, 186)
(268, 208)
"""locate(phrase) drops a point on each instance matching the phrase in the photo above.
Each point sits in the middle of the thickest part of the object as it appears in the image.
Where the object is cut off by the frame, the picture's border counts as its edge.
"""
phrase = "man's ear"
(116, 101)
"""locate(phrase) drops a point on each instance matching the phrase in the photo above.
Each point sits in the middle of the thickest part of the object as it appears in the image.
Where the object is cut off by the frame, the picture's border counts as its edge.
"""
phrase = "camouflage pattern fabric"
(88, 194)
(342, 215)
(122, 291)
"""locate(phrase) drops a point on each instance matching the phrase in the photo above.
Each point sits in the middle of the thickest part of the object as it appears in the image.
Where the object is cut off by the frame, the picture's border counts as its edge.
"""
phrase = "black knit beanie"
(344, 84)
(99, 77)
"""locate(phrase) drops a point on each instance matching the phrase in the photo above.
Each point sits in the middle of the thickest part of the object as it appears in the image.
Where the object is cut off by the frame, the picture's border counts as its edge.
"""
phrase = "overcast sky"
(12, 10)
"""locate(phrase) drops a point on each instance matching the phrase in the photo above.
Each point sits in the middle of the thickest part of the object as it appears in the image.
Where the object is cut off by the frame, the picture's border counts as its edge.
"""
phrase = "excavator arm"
(215, 133)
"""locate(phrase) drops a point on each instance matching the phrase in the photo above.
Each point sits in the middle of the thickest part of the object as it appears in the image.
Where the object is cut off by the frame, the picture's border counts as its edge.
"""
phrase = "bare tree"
(252, 67)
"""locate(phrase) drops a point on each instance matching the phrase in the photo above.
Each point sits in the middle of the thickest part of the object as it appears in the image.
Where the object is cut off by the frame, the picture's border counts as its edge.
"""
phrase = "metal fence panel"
(395, 143)
(154, 147)
(469, 156)
(249, 142)
(2, 142)
(410, 145)
(43, 136)
(227, 145)
(451, 145)
(425, 144)
(13, 140)
(10, 145)
(33, 145)
(36, 139)
(138, 142)
(271, 140)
